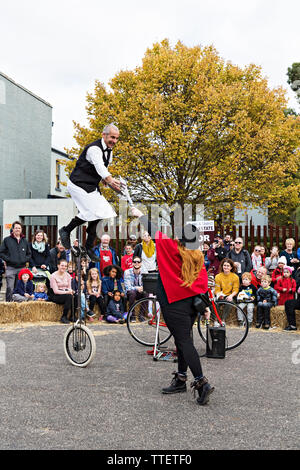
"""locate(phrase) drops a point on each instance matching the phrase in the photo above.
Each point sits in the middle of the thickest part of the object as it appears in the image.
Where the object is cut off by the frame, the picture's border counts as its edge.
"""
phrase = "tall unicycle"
(79, 341)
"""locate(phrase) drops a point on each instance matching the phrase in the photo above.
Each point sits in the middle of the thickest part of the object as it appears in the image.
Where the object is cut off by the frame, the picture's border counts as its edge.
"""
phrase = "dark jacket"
(243, 258)
(250, 291)
(54, 259)
(2, 268)
(108, 285)
(38, 259)
(24, 288)
(15, 254)
(112, 309)
(270, 295)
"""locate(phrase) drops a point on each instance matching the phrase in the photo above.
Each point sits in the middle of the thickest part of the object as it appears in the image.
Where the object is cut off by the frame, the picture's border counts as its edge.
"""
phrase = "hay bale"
(18, 312)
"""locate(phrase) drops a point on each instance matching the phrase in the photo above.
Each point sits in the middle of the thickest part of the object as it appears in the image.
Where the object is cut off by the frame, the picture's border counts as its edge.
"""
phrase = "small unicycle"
(79, 341)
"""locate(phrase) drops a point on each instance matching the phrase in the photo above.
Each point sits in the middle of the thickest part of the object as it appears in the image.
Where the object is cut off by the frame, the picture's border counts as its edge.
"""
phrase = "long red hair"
(192, 263)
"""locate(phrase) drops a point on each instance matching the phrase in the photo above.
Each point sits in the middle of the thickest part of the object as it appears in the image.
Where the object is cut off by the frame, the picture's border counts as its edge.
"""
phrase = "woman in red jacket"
(182, 275)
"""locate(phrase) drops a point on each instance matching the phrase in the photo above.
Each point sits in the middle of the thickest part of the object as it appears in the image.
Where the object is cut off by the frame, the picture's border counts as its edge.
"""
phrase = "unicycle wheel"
(79, 345)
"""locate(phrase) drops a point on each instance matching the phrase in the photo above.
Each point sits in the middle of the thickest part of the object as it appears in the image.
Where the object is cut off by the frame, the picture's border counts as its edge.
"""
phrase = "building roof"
(24, 89)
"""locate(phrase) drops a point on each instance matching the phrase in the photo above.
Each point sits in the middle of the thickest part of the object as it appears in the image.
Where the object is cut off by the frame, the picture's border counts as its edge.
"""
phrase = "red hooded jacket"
(169, 264)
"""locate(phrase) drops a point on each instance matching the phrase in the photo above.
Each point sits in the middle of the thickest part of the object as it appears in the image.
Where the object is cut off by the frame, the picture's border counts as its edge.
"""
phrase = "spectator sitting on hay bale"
(24, 290)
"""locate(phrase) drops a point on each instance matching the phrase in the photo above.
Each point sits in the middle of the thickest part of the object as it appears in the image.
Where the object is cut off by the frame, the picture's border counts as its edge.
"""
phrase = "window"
(57, 175)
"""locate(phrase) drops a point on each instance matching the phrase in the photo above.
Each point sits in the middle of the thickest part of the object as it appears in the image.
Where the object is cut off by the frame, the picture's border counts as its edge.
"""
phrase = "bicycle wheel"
(142, 322)
(232, 315)
(79, 345)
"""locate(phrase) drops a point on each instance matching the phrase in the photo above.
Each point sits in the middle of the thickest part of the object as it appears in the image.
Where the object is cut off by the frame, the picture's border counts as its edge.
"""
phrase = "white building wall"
(14, 209)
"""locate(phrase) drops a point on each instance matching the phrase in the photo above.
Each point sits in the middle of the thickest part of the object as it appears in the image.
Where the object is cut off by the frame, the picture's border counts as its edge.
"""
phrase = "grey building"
(25, 143)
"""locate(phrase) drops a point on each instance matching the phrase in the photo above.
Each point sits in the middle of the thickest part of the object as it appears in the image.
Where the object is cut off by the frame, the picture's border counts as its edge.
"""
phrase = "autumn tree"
(196, 129)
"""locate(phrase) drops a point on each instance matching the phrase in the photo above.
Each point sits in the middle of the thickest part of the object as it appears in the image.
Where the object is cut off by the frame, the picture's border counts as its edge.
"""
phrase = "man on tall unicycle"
(83, 186)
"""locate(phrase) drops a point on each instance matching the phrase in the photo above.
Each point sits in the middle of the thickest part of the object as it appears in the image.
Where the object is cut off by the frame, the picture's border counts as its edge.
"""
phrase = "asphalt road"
(115, 402)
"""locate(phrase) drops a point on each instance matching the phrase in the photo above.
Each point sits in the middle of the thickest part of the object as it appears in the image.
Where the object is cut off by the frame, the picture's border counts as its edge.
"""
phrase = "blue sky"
(58, 49)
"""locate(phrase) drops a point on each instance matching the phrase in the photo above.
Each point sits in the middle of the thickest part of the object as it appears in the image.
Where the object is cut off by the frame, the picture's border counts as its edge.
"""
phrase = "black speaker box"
(215, 342)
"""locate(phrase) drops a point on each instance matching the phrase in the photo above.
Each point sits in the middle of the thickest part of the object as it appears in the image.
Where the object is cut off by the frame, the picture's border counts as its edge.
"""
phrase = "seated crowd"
(256, 280)
(34, 272)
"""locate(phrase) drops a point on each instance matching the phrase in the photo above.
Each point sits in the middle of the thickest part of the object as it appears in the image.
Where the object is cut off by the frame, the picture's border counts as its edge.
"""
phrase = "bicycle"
(79, 341)
(144, 323)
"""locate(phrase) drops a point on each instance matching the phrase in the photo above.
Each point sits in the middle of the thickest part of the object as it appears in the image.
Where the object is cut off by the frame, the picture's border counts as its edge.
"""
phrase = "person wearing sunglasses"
(133, 281)
(240, 257)
(256, 258)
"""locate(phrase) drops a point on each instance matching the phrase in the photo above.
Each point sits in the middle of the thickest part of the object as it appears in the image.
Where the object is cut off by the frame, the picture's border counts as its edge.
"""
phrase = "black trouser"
(91, 229)
(180, 317)
(63, 299)
(290, 306)
(93, 300)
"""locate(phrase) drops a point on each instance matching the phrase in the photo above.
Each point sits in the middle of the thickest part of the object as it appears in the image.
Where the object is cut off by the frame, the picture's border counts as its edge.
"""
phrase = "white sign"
(204, 225)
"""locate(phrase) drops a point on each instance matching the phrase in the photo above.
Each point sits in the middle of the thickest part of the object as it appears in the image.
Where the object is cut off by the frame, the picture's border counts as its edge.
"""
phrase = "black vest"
(85, 174)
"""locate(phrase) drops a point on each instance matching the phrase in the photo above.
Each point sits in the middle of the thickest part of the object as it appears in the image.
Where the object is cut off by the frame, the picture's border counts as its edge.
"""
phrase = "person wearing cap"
(278, 272)
(15, 252)
(24, 289)
(182, 276)
(83, 186)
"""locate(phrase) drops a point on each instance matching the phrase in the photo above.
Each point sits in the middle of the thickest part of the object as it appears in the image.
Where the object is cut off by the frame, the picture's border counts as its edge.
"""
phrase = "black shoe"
(65, 238)
(290, 328)
(92, 255)
(204, 390)
(258, 325)
(64, 320)
(178, 385)
(266, 326)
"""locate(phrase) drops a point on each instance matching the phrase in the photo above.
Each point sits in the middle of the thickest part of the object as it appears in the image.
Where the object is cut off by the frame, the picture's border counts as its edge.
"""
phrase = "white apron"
(91, 206)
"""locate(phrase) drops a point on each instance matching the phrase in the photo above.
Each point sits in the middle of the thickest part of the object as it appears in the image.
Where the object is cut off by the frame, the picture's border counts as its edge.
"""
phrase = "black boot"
(92, 255)
(64, 319)
(65, 238)
(64, 232)
(204, 390)
(178, 384)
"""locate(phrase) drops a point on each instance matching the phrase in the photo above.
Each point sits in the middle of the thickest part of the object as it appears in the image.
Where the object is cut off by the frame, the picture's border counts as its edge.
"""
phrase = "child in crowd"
(272, 260)
(94, 285)
(286, 286)
(84, 268)
(24, 289)
(71, 269)
(278, 272)
(83, 303)
(111, 282)
(115, 309)
(266, 298)
(40, 292)
(126, 261)
(256, 258)
(263, 255)
(246, 298)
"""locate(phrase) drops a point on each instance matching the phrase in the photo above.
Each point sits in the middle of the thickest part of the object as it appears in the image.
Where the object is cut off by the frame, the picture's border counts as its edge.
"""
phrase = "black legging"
(63, 299)
(180, 317)
(93, 300)
(290, 307)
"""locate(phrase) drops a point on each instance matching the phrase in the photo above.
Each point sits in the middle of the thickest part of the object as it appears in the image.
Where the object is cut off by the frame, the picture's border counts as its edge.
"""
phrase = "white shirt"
(95, 157)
